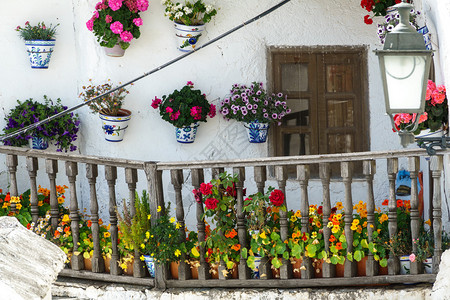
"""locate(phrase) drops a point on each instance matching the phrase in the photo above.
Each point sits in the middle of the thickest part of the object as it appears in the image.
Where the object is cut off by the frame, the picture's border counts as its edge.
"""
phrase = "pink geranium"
(108, 19)
(196, 112)
(116, 27)
(96, 15)
(212, 111)
(126, 36)
(156, 102)
(115, 4)
(138, 21)
(142, 5)
(169, 110)
(90, 25)
(175, 116)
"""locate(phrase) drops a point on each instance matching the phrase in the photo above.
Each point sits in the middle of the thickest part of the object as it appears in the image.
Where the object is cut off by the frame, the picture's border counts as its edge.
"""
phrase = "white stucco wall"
(239, 58)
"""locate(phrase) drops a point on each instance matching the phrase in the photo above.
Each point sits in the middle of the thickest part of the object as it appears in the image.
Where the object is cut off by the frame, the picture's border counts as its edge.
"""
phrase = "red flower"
(399, 203)
(28, 226)
(277, 197)
(89, 223)
(385, 202)
(332, 238)
(197, 195)
(7, 197)
(368, 20)
(211, 203)
(338, 246)
(206, 188)
(304, 237)
(320, 210)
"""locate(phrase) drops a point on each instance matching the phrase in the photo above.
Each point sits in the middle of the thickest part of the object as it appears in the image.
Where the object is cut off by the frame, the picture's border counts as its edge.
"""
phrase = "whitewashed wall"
(239, 58)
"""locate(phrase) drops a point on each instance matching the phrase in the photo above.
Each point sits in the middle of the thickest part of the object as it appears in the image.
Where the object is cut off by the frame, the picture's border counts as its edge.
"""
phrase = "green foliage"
(191, 13)
(133, 229)
(38, 32)
(62, 130)
(108, 105)
(162, 241)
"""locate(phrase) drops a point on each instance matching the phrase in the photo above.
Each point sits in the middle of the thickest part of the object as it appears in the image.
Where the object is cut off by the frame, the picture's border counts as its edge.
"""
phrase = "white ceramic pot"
(114, 127)
(115, 51)
(187, 36)
(257, 132)
(40, 53)
(186, 134)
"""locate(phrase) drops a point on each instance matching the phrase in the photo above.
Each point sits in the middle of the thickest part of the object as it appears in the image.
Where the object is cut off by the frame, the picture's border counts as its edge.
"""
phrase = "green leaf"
(297, 251)
(350, 256)
(244, 253)
(342, 238)
(364, 243)
(383, 262)
(358, 255)
(276, 263)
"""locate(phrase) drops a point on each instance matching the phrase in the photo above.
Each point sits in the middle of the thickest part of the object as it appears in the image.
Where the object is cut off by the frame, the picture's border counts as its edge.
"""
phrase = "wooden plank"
(436, 167)
(87, 275)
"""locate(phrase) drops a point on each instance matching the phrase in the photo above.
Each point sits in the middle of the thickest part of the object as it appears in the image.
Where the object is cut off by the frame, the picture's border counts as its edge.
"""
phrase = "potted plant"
(162, 241)
(253, 106)
(133, 231)
(115, 23)
(191, 248)
(378, 8)
(184, 109)
(114, 118)
(189, 21)
(39, 41)
(63, 130)
(222, 243)
(435, 117)
(391, 20)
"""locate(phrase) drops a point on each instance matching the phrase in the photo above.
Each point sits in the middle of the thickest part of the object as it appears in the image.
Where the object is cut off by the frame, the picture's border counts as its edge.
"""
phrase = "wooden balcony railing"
(157, 177)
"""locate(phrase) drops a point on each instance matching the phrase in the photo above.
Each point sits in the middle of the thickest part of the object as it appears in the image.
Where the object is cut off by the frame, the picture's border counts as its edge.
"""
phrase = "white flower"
(178, 7)
(59, 229)
(187, 10)
(209, 8)
(178, 15)
(43, 235)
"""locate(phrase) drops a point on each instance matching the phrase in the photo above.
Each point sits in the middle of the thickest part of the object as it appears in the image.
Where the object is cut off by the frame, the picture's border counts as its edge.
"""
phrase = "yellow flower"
(172, 220)
(383, 218)
(106, 234)
(66, 218)
(355, 222)
(177, 252)
(359, 229)
(159, 208)
(263, 235)
(371, 225)
(142, 246)
(149, 216)
(312, 209)
(339, 205)
(293, 218)
(314, 235)
(142, 257)
(178, 225)
(428, 222)
(339, 216)
(298, 214)
(60, 200)
(335, 229)
(354, 227)
(365, 224)
(147, 234)
(40, 203)
(15, 199)
(18, 206)
(330, 224)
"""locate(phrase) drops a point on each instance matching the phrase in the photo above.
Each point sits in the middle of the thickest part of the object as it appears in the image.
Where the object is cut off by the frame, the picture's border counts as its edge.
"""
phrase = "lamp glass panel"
(405, 80)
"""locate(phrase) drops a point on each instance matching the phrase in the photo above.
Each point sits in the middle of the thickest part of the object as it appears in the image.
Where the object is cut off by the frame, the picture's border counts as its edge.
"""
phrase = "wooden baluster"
(392, 169)
(154, 184)
(98, 263)
(51, 167)
(413, 168)
(369, 169)
(139, 269)
(303, 172)
(32, 167)
(281, 176)
(260, 176)
(436, 166)
(328, 269)
(11, 163)
(203, 270)
(347, 173)
(244, 270)
(71, 173)
(111, 177)
(184, 271)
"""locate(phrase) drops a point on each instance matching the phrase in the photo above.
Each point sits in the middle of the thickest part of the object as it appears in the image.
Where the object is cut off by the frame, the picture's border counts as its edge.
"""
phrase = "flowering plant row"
(189, 13)
(38, 32)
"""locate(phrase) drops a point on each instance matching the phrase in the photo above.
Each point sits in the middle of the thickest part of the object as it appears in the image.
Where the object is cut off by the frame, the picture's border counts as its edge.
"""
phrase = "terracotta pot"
(88, 264)
(234, 272)
(296, 265)
(340, 270)
(107, 264)
(174, 269)
(276, 273)
(361, 266)
(383, 271)
(194, 272)
(129, 270)
(214, 270)
(317, 265)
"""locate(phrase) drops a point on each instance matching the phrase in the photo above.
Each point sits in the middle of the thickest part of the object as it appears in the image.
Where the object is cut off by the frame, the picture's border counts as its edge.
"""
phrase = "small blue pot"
(257, 132)
(186, 134)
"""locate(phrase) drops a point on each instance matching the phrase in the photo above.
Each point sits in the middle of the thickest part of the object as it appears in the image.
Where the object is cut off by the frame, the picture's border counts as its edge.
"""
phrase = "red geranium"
(211, 203)
(277, 197)
(206, 188)
(385, 202)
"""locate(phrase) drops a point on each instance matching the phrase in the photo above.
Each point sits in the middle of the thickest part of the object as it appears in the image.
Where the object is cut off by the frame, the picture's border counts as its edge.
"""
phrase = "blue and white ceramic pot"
(255, 272)
(40, 53)
(38, 143)
(187, 36)
(114, 127)
(150, 263)
(426, 37)
(186, 134)
(257, 132)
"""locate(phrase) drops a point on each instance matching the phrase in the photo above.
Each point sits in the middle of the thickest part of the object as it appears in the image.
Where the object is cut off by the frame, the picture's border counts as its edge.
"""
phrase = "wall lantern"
(405, 66)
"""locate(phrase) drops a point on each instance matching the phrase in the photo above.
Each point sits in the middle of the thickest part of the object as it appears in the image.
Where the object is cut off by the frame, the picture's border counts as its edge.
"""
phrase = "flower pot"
(405, 265)
(257, 132)
(214, 271)
(428, 265)
(427, 134)
(129, 270)
(340, 270)
(361, 266)
(38, 143)
(173, 266)
(317, 266)
(88, 264)
(296, 265)
(150, 263)
(255, 271)
(40, 53)
(187, 36)
(186, 134)
(115, 51)
(426, 36)
(114, 127)
(107, 264)
(194, 272)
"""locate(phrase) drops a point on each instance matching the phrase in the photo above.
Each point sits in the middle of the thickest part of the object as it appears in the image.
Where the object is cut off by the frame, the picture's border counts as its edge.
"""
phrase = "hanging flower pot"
(150, 263)
(38, 143)
(426, 133)
(114, 127)
(187, 36)
(426, 36)
(257, 132)
(255, 272)
(40, 53)
(186, 134)
(115, 51)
